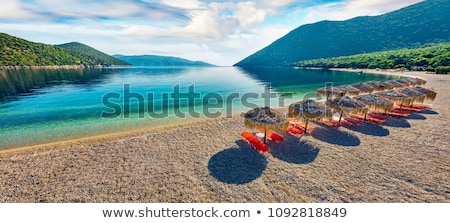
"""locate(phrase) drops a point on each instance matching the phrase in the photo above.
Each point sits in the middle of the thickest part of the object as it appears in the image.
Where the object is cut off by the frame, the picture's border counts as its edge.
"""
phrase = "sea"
(47, 105)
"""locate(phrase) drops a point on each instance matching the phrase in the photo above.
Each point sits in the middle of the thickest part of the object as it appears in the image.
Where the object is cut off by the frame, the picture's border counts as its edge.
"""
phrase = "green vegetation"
(434, 58)
(90, 54)
(158, 61)
(414, 26)
(19, 52)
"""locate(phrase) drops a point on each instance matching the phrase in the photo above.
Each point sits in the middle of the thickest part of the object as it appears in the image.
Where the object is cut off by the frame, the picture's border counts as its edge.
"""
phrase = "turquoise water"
(39, 106)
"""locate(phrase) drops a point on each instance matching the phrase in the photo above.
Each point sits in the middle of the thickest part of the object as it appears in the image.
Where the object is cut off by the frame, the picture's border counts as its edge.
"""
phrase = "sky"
(214, 31)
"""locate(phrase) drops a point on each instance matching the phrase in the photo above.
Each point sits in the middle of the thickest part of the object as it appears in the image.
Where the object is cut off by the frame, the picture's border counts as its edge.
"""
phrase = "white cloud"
(352, 8)
(218, 32)
(186, 4)
(276, 4)
(249, 14)
(12, 9)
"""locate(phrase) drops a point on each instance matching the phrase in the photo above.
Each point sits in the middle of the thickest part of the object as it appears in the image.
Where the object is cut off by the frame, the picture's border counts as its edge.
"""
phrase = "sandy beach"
(402, 160)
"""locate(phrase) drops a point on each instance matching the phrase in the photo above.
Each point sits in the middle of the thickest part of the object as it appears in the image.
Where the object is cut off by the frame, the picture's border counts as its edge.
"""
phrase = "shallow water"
(39, 106)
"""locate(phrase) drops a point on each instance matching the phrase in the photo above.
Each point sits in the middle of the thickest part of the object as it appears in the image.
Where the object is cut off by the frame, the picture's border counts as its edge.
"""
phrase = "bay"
(41, 106)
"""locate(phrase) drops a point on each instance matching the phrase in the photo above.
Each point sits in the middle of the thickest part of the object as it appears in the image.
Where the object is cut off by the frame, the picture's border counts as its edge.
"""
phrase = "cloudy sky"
(216, 31)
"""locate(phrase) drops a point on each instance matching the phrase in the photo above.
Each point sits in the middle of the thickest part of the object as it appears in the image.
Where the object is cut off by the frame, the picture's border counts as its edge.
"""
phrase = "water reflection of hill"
(282, 76)
(22, 82)
(288, 78)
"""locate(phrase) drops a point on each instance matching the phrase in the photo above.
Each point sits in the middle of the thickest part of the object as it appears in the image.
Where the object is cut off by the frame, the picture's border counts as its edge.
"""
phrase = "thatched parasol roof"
(267, 118)
(330, 91)
(396, 96)
(387, 85)
(429, 94)
(415, 95)
(363, 87)
(349, 90)
(348, 105)
(397, 84)
(378, 85)
(376, 102)
(416, 81)
(406, 81)
(309, 109)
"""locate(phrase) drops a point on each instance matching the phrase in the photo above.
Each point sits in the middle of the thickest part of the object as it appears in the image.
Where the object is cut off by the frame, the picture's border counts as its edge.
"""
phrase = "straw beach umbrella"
(415, 95)
(417, 81)
(349, 90)
(396, 96)
(429, 94)
(330, 91)
(348, 105)
(375, 101)
(374, 84)
(388, 85)
(397, 84)
(267, 118)
(363, 87)
(407, 81)
(309, 109)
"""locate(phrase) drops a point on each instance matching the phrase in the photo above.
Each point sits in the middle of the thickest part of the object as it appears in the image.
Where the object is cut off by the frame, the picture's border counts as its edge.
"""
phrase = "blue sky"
(218, 32)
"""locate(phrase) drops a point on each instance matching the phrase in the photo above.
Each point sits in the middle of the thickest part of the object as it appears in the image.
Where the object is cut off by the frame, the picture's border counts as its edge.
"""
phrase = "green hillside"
(90, 54)
(158, 61)
(435, 58)
(413, 26)
(19, 52)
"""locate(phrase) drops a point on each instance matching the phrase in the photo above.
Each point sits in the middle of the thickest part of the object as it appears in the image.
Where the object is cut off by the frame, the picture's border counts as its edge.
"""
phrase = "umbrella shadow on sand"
(369, 129)
(237, 165)
(295, 151)
(335, 136)
(428, 112)
(416, 116)
(397, 122)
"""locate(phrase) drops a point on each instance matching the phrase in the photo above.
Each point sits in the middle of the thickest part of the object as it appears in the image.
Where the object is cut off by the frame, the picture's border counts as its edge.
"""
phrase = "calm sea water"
(39, 106)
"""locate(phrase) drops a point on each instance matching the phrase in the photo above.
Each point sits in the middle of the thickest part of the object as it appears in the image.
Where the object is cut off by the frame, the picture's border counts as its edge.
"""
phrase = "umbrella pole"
(340, 117)
(306, 126)
(265, 135)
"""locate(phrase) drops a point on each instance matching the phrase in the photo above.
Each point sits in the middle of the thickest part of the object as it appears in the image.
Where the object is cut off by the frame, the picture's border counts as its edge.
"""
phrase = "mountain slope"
(416, 25)
(19, 52)
(434, 58)
(153, 60)
(90, 54)
(16, 51)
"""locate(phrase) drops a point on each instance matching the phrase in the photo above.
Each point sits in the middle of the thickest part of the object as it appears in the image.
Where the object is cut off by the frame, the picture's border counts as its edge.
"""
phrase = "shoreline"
(54, 67)
(387, 72)
(105, 137)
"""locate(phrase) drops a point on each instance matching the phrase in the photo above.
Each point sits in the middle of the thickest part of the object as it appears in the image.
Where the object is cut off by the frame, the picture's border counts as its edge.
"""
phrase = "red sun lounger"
(255, 142)
(295, 131)
(273, 136)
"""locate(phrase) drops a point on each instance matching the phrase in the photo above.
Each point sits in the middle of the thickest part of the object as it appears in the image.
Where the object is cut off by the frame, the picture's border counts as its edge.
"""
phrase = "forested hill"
(416, 25)
(158, 61)
(435, 58)
(90, 54)
(19, 52)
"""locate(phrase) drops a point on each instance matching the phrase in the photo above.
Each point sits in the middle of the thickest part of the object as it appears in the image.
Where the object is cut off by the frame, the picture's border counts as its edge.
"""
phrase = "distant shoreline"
(53, 67)
(386, 72)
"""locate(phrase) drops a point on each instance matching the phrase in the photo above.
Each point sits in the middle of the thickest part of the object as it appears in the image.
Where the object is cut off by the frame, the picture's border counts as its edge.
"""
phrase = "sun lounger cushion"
(255, 142)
